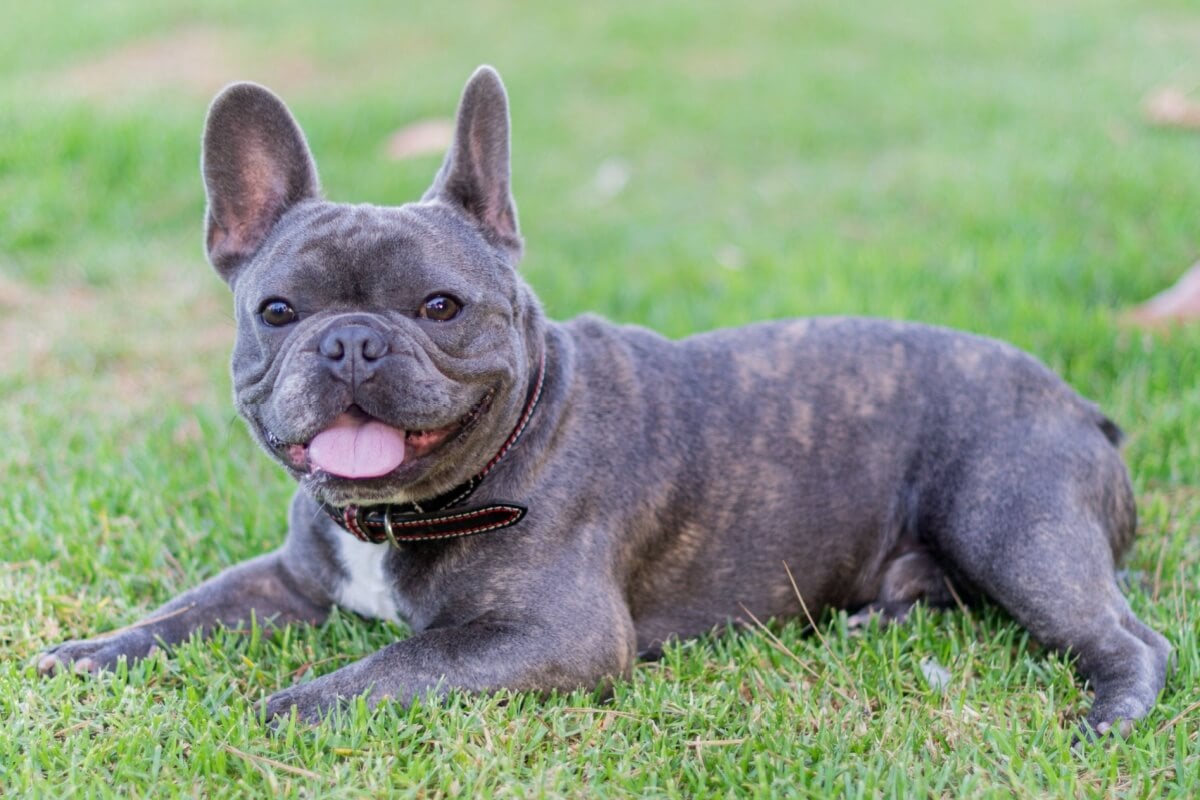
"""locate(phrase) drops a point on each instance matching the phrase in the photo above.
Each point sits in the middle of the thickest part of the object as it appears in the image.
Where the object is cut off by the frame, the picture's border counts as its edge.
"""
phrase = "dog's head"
(383, 354)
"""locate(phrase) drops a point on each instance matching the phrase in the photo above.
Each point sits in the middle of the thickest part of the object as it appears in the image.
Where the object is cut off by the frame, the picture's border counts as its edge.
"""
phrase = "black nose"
(352, 352)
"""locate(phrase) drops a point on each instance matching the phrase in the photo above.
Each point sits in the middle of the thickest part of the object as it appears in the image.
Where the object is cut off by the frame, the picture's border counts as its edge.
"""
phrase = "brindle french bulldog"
(542, 502)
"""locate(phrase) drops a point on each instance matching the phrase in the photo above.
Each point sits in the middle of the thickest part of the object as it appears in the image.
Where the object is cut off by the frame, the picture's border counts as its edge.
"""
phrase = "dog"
(545, 502)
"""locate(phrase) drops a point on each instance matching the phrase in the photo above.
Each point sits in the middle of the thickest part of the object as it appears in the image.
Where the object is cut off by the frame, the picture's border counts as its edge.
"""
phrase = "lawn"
(682, 165)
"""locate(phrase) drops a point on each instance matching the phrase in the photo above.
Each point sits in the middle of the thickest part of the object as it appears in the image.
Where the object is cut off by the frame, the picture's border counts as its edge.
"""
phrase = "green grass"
(978, 165)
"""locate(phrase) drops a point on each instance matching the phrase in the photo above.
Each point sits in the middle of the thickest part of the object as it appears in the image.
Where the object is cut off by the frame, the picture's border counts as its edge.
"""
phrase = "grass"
(977, 165)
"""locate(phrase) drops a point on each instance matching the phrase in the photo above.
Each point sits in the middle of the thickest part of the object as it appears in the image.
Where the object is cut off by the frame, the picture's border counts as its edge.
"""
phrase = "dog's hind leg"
(1037, 527)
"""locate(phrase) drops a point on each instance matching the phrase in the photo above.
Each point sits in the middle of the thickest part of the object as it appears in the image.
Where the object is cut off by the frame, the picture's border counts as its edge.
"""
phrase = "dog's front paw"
(311, 702)
(89, 656)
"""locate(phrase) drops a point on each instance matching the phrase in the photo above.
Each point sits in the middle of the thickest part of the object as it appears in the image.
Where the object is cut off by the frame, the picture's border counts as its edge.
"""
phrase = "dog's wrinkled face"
(369, 358)
(382, 353)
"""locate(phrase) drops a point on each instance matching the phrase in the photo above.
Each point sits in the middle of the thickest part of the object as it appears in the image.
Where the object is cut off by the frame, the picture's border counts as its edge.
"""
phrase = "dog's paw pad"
(49, 664)
(53, 663)
(85, 666)
(1120, 727)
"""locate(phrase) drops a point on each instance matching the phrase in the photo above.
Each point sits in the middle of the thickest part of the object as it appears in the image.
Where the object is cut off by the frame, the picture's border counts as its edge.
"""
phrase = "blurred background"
(677, 164)
(682, 165)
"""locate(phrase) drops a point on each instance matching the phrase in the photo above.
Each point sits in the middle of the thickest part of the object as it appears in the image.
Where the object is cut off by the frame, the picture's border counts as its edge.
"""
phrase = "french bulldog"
(543, 502)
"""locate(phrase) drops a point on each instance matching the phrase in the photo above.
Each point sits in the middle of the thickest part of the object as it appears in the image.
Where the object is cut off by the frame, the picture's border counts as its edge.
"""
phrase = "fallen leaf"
(422, 138)
(937, 676)
(1178, 303)
(1173, 108)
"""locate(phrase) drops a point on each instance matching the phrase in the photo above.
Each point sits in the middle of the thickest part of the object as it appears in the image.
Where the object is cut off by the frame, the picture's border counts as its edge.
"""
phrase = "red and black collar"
(440, 517)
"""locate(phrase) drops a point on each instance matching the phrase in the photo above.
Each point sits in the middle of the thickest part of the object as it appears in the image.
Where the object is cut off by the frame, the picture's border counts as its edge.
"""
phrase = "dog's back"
(839, 447)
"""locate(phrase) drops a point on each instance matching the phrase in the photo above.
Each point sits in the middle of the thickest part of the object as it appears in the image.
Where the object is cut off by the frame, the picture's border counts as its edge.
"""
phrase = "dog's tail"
(1111, 431)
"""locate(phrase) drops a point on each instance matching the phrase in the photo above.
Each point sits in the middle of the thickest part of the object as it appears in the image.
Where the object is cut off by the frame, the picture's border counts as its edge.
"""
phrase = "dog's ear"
(475, 176)
(256, 165)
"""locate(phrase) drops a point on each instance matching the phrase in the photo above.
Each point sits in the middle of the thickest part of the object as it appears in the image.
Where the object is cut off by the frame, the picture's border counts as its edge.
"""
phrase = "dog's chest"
(369, 588)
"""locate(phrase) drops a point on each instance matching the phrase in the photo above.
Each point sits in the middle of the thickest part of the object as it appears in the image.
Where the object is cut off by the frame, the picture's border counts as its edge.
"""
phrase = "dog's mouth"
(357, 446)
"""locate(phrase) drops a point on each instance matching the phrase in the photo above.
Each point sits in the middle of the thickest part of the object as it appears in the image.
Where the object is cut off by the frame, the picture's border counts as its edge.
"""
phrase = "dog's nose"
(352, 351)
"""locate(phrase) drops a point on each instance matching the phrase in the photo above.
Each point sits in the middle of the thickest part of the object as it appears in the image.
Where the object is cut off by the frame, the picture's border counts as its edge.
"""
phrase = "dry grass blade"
(609, 713)
(837, 662)
(699, 744)
(1175, 720)
(778, 644)
(261, 761)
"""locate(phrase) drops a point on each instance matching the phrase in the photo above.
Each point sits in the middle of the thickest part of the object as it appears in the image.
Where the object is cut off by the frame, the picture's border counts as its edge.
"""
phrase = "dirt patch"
(135, 349)
(197, 59)
(13, 295)
(423, 138)
(714, 64)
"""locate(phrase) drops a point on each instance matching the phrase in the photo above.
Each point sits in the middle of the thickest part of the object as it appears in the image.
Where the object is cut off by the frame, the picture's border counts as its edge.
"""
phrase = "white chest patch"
(368, 589)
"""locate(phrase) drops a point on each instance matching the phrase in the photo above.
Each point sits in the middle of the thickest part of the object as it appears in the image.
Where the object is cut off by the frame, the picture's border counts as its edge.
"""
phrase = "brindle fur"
(671, 486)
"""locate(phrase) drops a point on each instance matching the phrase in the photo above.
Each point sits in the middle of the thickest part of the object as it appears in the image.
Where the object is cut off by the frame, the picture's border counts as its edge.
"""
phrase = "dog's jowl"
(544, 501)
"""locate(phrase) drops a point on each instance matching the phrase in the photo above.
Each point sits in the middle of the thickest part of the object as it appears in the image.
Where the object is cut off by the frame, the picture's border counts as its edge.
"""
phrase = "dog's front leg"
(481, 656)
(265, 587)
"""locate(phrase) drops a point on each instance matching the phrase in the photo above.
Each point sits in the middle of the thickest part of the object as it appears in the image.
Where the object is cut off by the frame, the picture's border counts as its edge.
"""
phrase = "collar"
(440, 517)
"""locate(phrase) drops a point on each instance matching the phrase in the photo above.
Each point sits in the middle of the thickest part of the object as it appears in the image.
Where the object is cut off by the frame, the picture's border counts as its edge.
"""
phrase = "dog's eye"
(277, 312)
(440, 308)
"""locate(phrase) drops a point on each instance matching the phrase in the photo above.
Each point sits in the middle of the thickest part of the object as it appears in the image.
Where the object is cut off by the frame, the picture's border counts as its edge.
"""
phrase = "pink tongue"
(353, 448)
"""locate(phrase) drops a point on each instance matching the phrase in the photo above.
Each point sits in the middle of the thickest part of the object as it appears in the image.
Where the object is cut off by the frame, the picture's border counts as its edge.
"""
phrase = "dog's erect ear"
(256, 166)
(476, 174)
